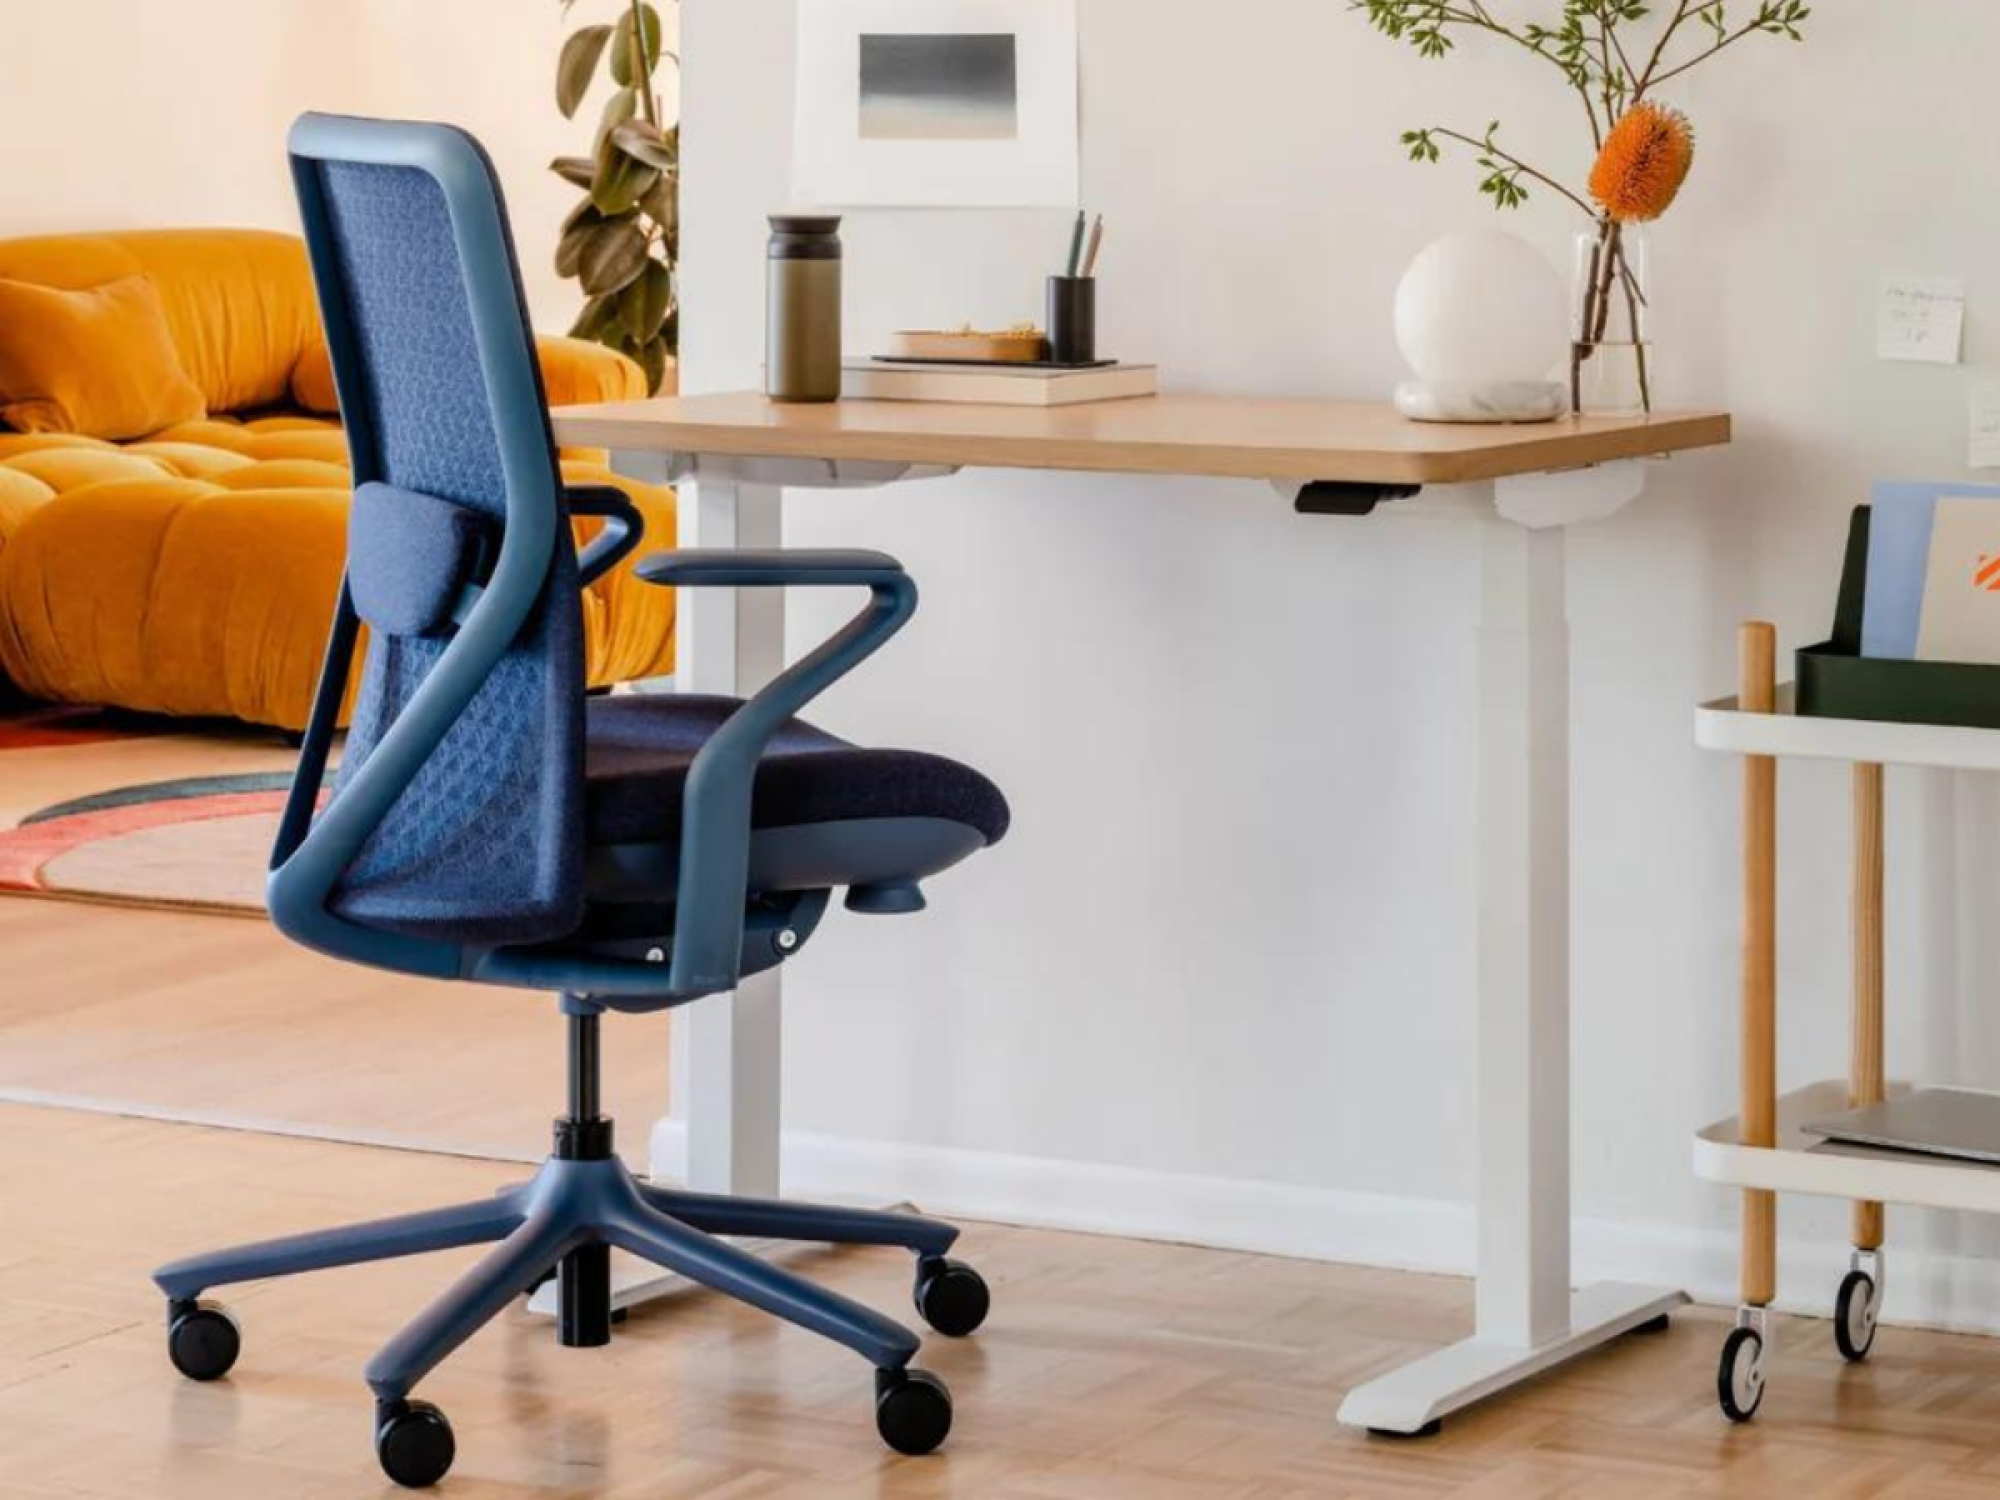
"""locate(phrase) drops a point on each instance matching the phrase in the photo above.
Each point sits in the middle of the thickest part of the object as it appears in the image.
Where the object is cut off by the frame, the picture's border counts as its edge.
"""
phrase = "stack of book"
(994, 383)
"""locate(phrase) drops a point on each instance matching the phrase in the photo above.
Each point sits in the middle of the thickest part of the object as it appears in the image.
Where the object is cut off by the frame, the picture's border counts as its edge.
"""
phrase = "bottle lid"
(805, 237)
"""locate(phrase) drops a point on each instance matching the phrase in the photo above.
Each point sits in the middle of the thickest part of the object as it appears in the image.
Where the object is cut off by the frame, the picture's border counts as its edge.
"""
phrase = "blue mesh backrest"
(431, 421)
(482, 846)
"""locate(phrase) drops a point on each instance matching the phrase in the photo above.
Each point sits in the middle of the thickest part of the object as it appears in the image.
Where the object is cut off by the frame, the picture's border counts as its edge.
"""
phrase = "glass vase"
(1611, 355)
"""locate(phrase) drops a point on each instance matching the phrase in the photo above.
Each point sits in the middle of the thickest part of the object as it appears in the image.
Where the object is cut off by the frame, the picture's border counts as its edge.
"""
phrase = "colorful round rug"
(199, 842)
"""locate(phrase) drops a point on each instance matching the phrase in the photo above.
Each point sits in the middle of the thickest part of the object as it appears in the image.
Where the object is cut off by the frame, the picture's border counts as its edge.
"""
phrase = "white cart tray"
(1722, 726)
(1802, 1163)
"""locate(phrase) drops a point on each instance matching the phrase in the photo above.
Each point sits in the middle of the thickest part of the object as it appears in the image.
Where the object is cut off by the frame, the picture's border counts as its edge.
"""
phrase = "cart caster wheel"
(202, 1339)
(912, 1410)
(1854, 1313)
(1655, 1325)
(951, 1296)
(1739, 1381)
(413, 1443)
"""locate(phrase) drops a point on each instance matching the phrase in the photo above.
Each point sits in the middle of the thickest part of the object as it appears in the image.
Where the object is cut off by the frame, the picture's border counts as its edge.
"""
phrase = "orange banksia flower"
(1644, 162)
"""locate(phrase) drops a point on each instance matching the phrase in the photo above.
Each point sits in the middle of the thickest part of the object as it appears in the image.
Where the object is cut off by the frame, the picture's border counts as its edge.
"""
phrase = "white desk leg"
(725, 1069)
(1528, 1320)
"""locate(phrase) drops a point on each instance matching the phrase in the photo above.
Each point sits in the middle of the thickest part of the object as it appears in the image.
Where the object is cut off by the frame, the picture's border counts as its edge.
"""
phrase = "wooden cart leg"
(1757, 693)
(1858, 1305)
(1739, 1381)
(1865, 1080)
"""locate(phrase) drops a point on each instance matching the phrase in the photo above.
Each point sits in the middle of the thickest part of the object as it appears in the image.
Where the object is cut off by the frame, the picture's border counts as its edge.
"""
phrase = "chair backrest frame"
(317, 846)
(313, 852)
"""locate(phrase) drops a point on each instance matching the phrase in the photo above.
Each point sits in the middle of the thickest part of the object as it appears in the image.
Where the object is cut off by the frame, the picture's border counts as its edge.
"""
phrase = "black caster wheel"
(1739, 1380)
(1854, 1316)
(951, 1296)
(1655, 1325)
(202, 1339)
(413, 1443)
(912, 1410)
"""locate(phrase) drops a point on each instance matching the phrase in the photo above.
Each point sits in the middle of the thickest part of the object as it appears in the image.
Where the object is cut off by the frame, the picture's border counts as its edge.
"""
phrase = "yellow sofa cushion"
(189, 460)
(239, 303)
(312, 379)
(573, 371)
(19, 494)
(281, 474)
(100, 362)
(196, 574)
(12, 443)
(66, 469)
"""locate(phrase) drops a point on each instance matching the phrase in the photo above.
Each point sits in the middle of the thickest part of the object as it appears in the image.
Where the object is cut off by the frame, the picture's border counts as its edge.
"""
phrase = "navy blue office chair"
(490, 823)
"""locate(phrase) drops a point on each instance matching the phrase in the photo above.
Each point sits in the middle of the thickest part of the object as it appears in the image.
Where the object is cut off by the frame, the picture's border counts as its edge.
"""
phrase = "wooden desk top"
(1226, 437)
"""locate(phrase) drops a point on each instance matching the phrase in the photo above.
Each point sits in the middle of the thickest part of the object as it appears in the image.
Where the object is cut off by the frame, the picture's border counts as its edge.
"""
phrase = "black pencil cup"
(1072, 319)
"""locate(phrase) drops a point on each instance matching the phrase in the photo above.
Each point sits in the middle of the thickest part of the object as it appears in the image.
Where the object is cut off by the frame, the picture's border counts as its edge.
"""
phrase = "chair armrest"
(715, 805)
(624, 527)
(697, 567)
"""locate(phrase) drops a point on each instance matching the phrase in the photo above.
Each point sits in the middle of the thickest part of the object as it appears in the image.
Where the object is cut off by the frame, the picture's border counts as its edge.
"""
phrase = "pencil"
(1075, 245)
(1096, 240)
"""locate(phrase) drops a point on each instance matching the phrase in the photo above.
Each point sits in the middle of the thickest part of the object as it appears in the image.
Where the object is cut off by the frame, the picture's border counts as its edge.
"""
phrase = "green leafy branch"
(1504, 171)
(1589, 43)
(621, 243)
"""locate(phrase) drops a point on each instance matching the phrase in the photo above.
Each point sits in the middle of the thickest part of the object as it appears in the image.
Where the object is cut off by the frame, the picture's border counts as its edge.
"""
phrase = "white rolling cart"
(1764, 1150)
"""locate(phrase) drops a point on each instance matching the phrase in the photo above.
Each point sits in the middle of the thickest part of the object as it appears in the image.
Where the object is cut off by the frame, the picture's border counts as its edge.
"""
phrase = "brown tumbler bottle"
(802, 308)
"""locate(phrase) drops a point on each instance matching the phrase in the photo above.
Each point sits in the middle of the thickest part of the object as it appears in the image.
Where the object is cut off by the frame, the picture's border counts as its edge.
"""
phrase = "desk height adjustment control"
(1346, 497)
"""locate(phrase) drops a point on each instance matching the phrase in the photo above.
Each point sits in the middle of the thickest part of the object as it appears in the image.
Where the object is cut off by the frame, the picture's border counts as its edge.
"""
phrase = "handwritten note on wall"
(1921, 318)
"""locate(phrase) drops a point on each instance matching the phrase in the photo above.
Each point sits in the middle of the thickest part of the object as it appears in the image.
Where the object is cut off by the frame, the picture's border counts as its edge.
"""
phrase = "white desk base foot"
(1409, 1399)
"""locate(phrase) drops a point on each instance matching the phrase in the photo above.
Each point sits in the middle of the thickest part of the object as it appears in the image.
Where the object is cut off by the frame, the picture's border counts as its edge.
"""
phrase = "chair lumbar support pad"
(489, 824)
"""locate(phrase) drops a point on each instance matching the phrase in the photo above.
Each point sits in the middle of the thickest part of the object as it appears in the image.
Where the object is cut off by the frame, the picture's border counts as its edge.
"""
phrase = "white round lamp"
(1481, 319)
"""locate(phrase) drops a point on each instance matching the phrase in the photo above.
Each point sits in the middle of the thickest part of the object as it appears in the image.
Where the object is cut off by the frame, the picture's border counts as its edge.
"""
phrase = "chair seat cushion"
(639, 748)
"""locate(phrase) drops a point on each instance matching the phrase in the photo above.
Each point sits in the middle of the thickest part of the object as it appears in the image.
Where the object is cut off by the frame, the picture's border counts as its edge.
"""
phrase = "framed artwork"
(937, 103)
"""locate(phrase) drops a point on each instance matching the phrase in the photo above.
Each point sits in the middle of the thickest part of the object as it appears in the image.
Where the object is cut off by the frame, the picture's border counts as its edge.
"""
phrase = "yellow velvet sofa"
(193, 570)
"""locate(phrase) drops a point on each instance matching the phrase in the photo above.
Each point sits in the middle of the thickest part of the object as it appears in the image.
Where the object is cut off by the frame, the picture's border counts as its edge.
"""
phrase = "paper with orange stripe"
(1961, 611)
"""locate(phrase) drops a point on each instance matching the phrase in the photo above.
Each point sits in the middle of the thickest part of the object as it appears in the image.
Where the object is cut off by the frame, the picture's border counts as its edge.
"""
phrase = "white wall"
(119, 114)
(1228, 944)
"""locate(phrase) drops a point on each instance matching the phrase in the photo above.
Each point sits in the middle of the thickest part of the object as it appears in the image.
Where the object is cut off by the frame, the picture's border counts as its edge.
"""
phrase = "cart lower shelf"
(1802, 1163)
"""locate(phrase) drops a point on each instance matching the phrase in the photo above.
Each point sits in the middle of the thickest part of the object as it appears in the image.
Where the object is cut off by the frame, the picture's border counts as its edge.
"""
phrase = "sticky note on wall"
(1921, 319)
